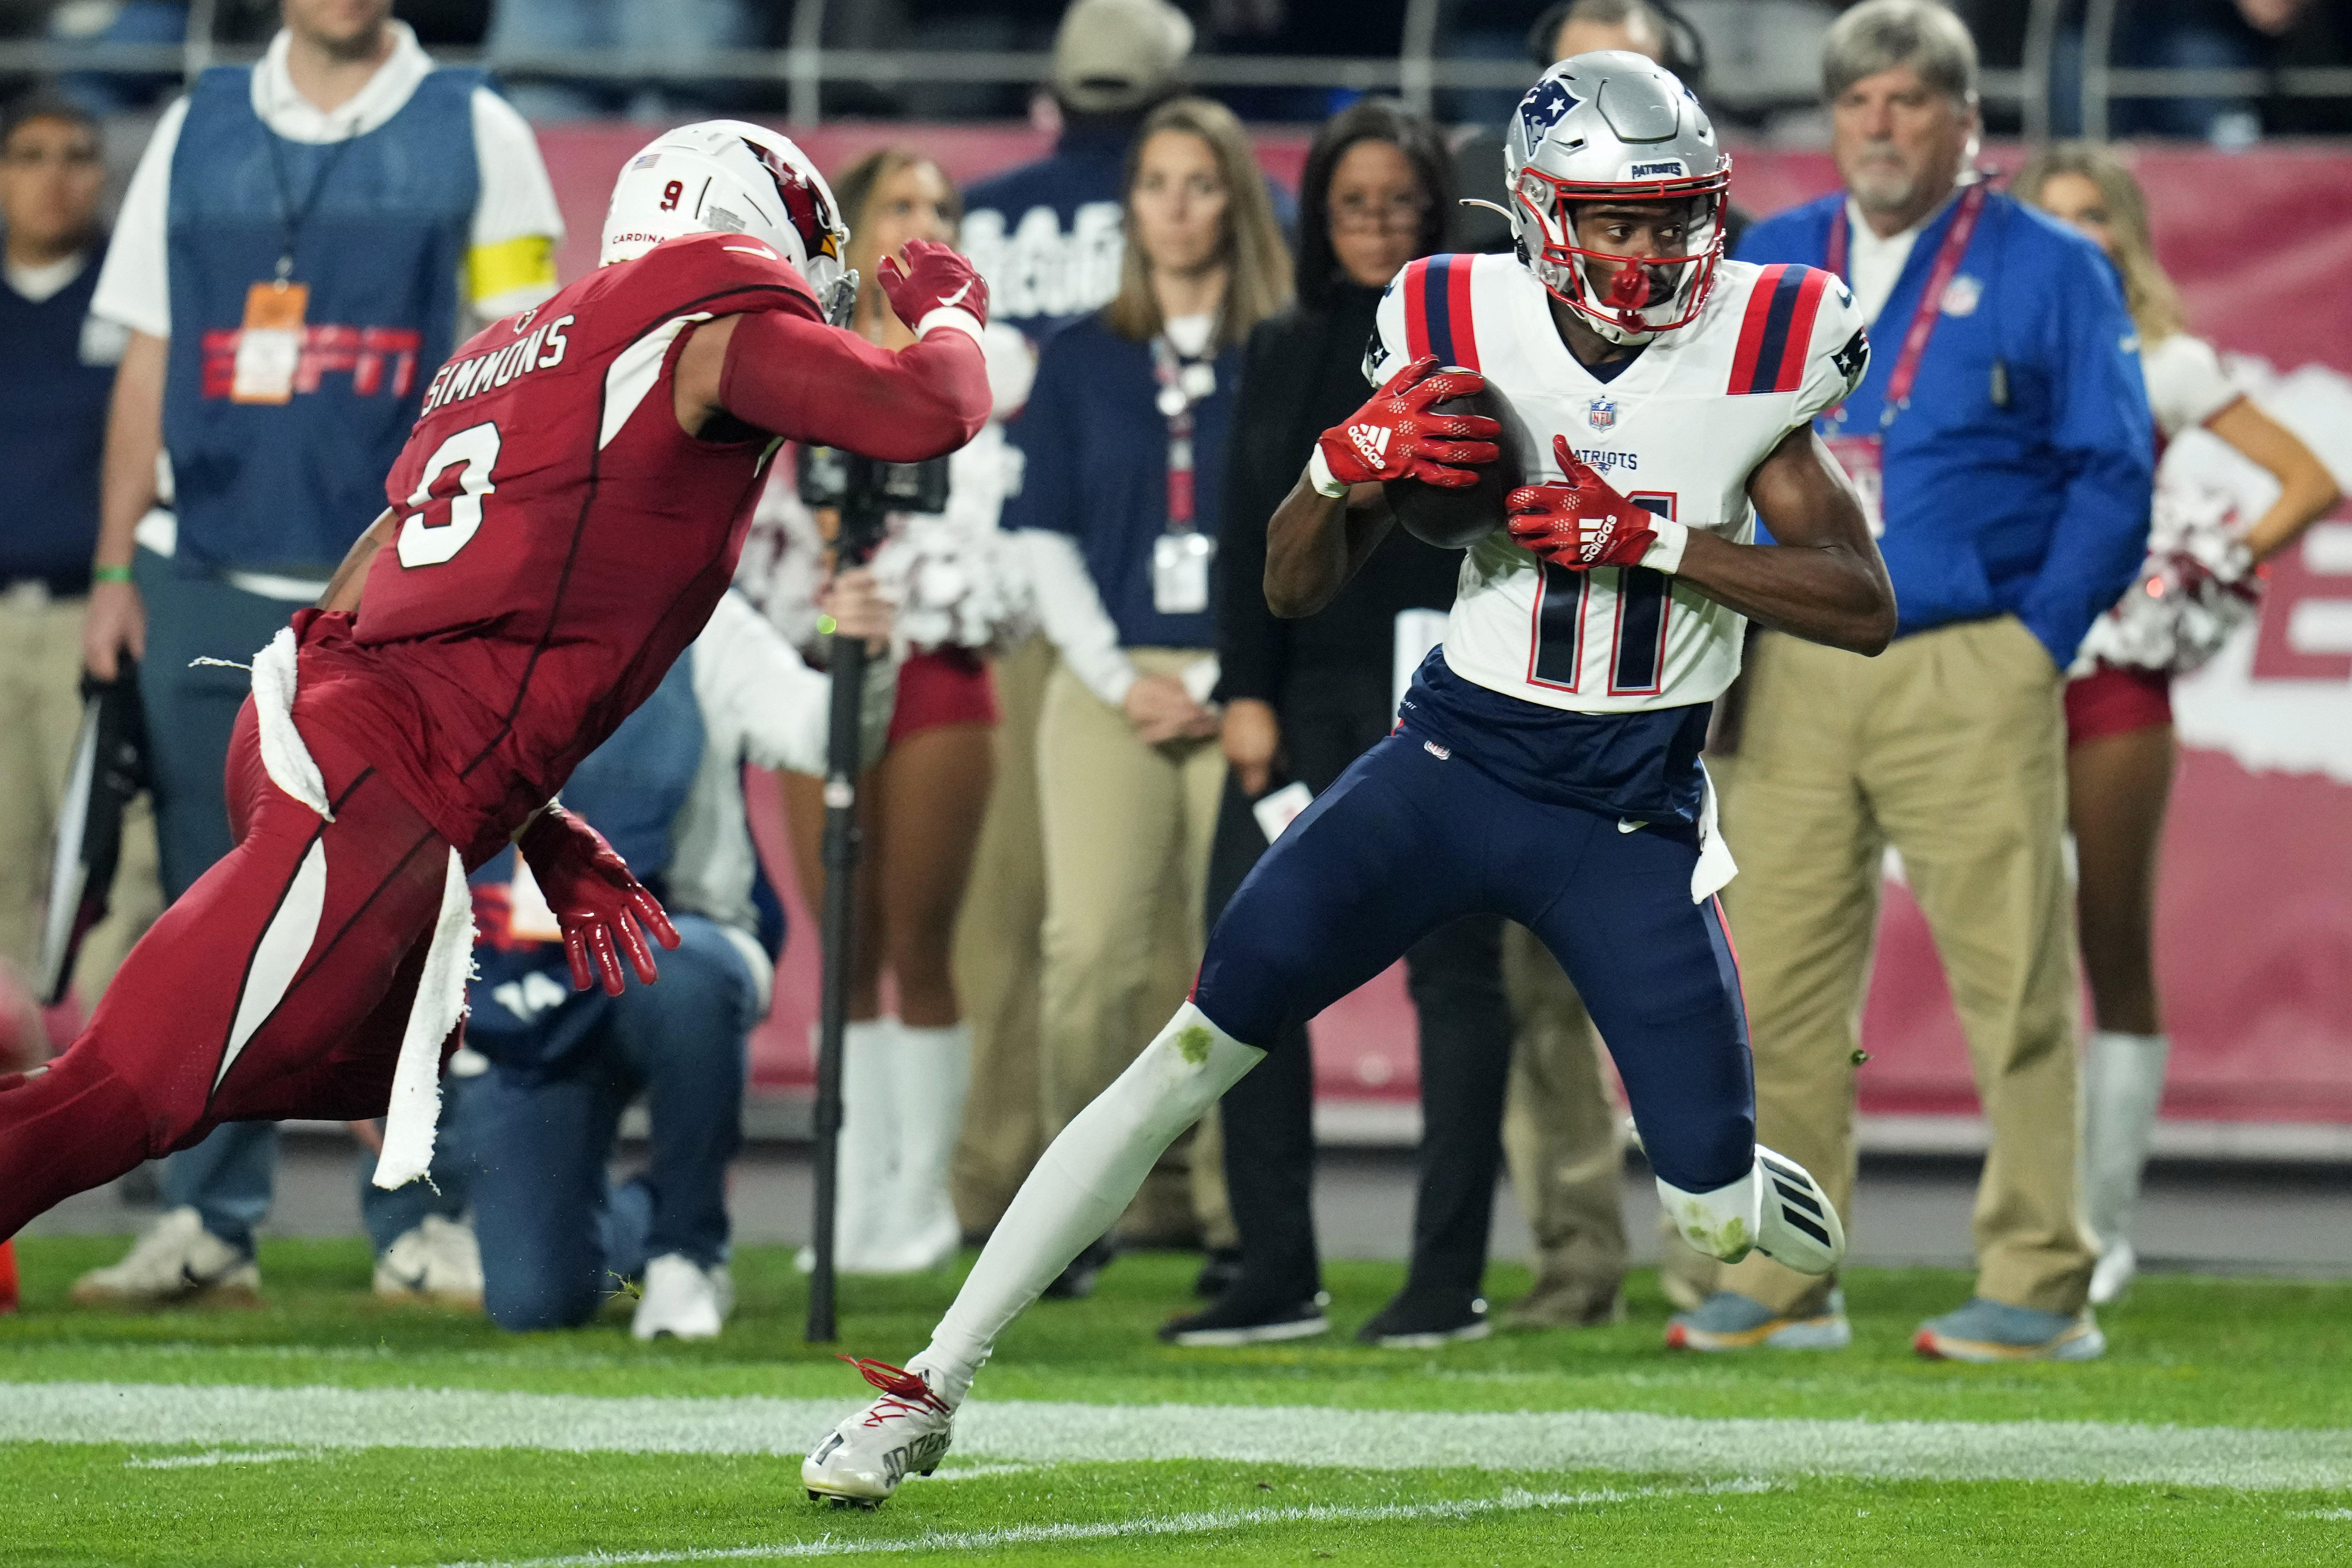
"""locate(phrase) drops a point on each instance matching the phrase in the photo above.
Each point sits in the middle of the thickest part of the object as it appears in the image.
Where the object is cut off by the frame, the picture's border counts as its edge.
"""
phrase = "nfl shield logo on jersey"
(1601, 413)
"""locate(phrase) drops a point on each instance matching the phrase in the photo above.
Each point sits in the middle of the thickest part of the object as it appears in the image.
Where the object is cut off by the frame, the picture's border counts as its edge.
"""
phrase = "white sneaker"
(438, 1261)
(683, 1299)
(177, 1260)
(904, 1432)
(2118, 1265)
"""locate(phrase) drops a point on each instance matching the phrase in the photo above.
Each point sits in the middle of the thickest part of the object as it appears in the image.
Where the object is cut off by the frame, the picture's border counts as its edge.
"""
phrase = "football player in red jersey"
(566, 512)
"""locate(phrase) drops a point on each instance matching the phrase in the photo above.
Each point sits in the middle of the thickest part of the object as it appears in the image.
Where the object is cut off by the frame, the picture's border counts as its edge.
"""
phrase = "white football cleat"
(1777, 1209)
(904, 1432)
(177, 1260)
(683, 1299)
(1801, 1228)
(438, 1260)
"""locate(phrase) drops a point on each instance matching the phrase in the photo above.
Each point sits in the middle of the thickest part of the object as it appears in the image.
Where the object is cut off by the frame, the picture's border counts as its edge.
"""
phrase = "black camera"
(862, 486)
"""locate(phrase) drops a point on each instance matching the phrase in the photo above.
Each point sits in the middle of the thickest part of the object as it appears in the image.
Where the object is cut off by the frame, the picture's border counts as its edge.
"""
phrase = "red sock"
(8, 1275)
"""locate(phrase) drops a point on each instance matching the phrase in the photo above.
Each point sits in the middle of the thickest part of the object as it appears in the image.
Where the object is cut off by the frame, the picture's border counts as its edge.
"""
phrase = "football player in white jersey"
(1545, 764)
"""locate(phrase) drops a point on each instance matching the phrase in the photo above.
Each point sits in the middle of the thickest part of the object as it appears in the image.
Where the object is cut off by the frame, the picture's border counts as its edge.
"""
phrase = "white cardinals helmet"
(1611, 126)
(729, 177)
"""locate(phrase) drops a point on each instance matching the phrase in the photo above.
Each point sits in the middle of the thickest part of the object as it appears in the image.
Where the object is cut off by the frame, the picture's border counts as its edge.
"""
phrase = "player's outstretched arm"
(790, 376)
(1824, 580)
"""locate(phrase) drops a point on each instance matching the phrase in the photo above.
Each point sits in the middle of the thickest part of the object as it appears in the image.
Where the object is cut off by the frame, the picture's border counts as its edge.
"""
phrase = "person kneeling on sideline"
(556, 1239)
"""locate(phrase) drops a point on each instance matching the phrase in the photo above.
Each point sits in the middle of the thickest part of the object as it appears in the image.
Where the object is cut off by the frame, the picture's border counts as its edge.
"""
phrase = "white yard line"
(1206, 1522)
(222, 1457)
(233, 1415)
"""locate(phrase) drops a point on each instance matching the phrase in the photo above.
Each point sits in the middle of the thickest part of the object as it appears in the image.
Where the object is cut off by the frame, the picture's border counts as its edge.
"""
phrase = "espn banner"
(2254, 917)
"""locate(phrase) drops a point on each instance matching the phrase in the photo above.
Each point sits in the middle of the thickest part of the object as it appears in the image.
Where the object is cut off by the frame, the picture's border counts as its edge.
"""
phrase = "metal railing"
(1417, 73)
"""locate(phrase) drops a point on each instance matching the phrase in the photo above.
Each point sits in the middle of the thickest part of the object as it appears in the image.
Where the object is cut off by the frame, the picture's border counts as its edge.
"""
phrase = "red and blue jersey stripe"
(1778, 329)
(1437, 311)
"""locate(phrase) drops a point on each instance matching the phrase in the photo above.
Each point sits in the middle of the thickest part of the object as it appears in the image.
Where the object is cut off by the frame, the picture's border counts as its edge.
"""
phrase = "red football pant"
(333, 918)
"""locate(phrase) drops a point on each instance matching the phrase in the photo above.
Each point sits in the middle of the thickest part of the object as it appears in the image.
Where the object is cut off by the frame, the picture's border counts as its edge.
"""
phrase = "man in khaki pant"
(2004, 423)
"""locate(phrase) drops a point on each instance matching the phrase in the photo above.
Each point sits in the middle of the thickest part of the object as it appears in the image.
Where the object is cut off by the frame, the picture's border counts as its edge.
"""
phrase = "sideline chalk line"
(241, 1417)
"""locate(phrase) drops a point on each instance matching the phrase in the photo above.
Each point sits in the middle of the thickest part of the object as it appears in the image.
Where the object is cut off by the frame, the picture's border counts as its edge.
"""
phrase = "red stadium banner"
(2254, 918)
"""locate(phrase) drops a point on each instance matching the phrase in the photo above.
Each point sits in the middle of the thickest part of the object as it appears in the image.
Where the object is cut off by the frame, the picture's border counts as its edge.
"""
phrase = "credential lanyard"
(1182, 383)
(1930, 307)
(293, 215)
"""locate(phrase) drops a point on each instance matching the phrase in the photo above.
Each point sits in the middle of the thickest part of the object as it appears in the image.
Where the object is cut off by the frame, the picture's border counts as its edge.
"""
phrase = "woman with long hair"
(1125, 440)
(922, 804)
(2120, 749)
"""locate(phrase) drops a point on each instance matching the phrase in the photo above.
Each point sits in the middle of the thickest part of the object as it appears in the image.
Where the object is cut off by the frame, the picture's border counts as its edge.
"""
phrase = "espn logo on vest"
(377, 359)
(1370, 441)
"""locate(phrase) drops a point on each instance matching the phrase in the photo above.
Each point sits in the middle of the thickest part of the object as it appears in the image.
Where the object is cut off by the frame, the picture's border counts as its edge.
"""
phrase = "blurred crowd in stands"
(1763, 53)
(1096, 722)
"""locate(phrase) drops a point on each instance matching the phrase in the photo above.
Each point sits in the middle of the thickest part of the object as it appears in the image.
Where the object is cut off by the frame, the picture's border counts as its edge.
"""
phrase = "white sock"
(867, 1153)
(1080, 1186)
(931, 1069)
(2123, 1084)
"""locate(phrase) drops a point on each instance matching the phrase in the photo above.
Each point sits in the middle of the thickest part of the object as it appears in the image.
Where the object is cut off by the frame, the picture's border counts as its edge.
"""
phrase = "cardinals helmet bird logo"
(802, 203)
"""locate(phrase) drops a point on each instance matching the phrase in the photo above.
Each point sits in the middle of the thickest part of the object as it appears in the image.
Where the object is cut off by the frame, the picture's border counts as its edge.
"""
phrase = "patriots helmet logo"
(802, 205)
(1544, 106)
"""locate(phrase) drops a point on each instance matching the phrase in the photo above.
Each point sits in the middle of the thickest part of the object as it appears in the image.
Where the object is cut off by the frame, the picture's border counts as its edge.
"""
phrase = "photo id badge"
(1859, 456)
(270, 349)
(1179, 572)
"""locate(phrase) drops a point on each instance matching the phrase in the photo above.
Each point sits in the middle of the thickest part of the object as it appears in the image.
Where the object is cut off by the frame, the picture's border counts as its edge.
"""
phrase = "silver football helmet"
(1615, 125)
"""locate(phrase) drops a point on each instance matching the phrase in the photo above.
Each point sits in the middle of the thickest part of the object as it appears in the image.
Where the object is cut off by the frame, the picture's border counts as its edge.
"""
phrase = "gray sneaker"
(1982, 1331)
(1727, 1321)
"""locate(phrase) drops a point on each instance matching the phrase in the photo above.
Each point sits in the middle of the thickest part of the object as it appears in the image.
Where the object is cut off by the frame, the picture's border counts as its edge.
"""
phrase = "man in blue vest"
(2001, 444)
(56, 363)
(292, 259)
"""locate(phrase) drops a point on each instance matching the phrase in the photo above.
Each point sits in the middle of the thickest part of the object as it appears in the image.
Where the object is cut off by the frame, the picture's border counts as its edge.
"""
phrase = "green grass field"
(328, 1428)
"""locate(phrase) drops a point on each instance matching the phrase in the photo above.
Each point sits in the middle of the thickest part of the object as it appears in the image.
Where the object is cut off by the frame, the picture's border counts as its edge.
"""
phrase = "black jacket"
(1304, 373)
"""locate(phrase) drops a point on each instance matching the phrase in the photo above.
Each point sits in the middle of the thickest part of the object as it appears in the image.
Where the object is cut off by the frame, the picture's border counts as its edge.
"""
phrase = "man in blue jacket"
(2003, 436)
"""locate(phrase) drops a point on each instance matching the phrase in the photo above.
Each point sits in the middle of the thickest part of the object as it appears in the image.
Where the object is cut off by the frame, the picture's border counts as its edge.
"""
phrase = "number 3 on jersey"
(1569, 621)
(450, 493)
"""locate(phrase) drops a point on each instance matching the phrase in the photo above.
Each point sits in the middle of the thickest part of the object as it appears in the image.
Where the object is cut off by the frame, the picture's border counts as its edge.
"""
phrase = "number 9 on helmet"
(729, 177)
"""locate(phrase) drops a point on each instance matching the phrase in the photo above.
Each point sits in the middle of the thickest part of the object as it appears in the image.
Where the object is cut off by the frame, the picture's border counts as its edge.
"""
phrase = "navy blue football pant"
(1408, 841)
(556, 1236)
(1454, 976)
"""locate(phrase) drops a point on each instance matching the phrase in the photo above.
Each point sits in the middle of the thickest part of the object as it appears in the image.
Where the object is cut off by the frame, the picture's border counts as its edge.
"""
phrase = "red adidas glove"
(934, 279)
(594, 898)
(1395, 436)
(1579, 521)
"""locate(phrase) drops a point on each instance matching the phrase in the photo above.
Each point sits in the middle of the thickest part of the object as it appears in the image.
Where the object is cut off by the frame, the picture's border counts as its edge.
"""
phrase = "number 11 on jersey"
(1629, 623)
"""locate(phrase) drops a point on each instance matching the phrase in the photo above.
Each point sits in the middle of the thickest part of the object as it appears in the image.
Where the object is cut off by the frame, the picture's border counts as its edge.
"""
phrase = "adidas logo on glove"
(1598, 532)
(1370, 441)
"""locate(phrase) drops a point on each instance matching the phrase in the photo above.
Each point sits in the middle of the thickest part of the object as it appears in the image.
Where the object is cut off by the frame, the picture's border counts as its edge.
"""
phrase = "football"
(1458, 518)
